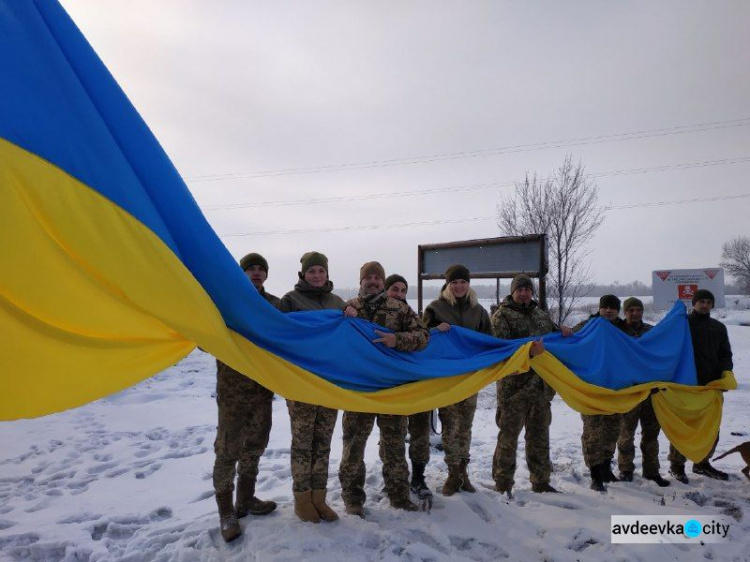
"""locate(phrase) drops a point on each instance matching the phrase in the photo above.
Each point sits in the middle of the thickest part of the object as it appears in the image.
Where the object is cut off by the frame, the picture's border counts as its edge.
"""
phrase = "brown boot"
(323, 509)
(466, 484)
(453, 482)
(303, 507)
(247, 502)
(228, 523)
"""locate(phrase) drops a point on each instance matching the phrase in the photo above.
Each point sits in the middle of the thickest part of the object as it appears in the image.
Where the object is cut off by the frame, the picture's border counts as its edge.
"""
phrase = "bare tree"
(564, 207)
(735, 257)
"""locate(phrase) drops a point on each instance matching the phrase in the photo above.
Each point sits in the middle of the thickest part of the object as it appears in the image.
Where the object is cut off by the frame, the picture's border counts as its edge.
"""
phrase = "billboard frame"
(540, 273)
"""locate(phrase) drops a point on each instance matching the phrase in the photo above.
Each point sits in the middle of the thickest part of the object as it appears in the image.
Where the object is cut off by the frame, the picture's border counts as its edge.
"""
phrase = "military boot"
(419, 487)
(597, 483)
(466, 484)
(304, 508)
(417, 478)
(228, 523)
(679, 474)
(662, 482)
(543, 488)
(402, 501)
(355, 509)
(606, 473)
(626, 476)
(706, 469)
(453, 482)
(247, 502)
(323, 509)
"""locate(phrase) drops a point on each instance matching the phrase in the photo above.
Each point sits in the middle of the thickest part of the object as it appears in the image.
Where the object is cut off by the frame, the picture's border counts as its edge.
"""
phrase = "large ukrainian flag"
(109, 273)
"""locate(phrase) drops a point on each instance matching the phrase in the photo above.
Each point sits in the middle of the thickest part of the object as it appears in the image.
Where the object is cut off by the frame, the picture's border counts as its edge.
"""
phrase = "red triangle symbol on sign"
(711, 273)
(662, 274)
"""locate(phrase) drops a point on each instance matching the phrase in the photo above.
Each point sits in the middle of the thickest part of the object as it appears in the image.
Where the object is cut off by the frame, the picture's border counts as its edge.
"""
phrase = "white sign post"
(670, 285)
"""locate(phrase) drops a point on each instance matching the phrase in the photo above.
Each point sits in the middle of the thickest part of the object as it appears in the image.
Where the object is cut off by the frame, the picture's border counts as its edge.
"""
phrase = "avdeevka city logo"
(693, 528)
(686, 529)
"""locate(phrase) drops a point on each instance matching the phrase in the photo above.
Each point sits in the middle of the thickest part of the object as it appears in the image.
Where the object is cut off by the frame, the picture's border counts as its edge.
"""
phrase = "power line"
(471, 187)
(472, 219)
(633, 135)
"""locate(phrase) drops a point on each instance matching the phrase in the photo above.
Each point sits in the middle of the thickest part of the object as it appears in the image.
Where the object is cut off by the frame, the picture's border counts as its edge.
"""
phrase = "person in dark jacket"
(713, 356)
(243, 430)
(312, 426)
(600, 432)
(643, 413)
(457, 306)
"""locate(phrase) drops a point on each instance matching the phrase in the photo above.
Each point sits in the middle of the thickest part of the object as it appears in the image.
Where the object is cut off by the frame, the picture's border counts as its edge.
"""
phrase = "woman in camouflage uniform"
(312, 426)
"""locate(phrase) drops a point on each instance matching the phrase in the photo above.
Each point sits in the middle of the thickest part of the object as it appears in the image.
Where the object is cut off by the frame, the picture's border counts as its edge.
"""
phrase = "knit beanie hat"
(455, 272)
(630, 302)
(371, 267)
(313, 258)
(520, 281)
(253, 259)
(395, 278)
(609, 301)
(701, 294)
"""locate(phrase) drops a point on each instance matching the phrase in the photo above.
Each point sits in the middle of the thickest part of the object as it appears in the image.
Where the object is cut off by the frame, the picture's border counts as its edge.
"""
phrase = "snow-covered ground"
(129, 478)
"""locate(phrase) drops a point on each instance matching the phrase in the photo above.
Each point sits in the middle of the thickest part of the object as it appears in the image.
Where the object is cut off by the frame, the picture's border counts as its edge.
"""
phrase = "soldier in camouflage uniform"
(644, 413)
(522, 400)
(243, 430)
(312, 426)
(457, 306)
(409, 334)
(418, 425)
(600, 432)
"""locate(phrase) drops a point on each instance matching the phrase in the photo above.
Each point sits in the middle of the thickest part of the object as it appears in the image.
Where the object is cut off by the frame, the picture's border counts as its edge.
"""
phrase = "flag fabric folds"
(110, 273)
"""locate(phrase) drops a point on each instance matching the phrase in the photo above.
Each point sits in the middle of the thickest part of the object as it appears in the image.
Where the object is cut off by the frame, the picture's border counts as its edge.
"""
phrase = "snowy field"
(128, 478)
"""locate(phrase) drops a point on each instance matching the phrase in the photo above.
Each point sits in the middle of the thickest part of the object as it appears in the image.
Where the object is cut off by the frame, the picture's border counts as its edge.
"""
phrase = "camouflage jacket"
(467, 314)
(235, 385)
(306, 297)
(511, 321)
(396, 315)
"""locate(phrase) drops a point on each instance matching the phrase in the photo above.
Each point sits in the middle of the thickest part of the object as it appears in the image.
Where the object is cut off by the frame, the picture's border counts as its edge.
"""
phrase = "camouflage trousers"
(357, 428)
(599, 438)
(517, 410)
(419, 437)
(650, 429)
(244, 427)
(457, 420)
(677, 459)
(312, 430)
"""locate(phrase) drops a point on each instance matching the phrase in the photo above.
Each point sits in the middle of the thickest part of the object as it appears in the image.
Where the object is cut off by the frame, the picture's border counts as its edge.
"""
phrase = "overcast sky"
(284, 102)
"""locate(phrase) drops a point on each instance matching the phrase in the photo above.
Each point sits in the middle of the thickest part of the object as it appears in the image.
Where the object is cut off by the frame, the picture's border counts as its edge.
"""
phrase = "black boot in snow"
(419, 487)
(597, 483)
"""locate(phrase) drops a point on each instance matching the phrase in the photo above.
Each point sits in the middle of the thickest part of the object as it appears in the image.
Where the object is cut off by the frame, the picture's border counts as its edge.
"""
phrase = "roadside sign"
(670, 285)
